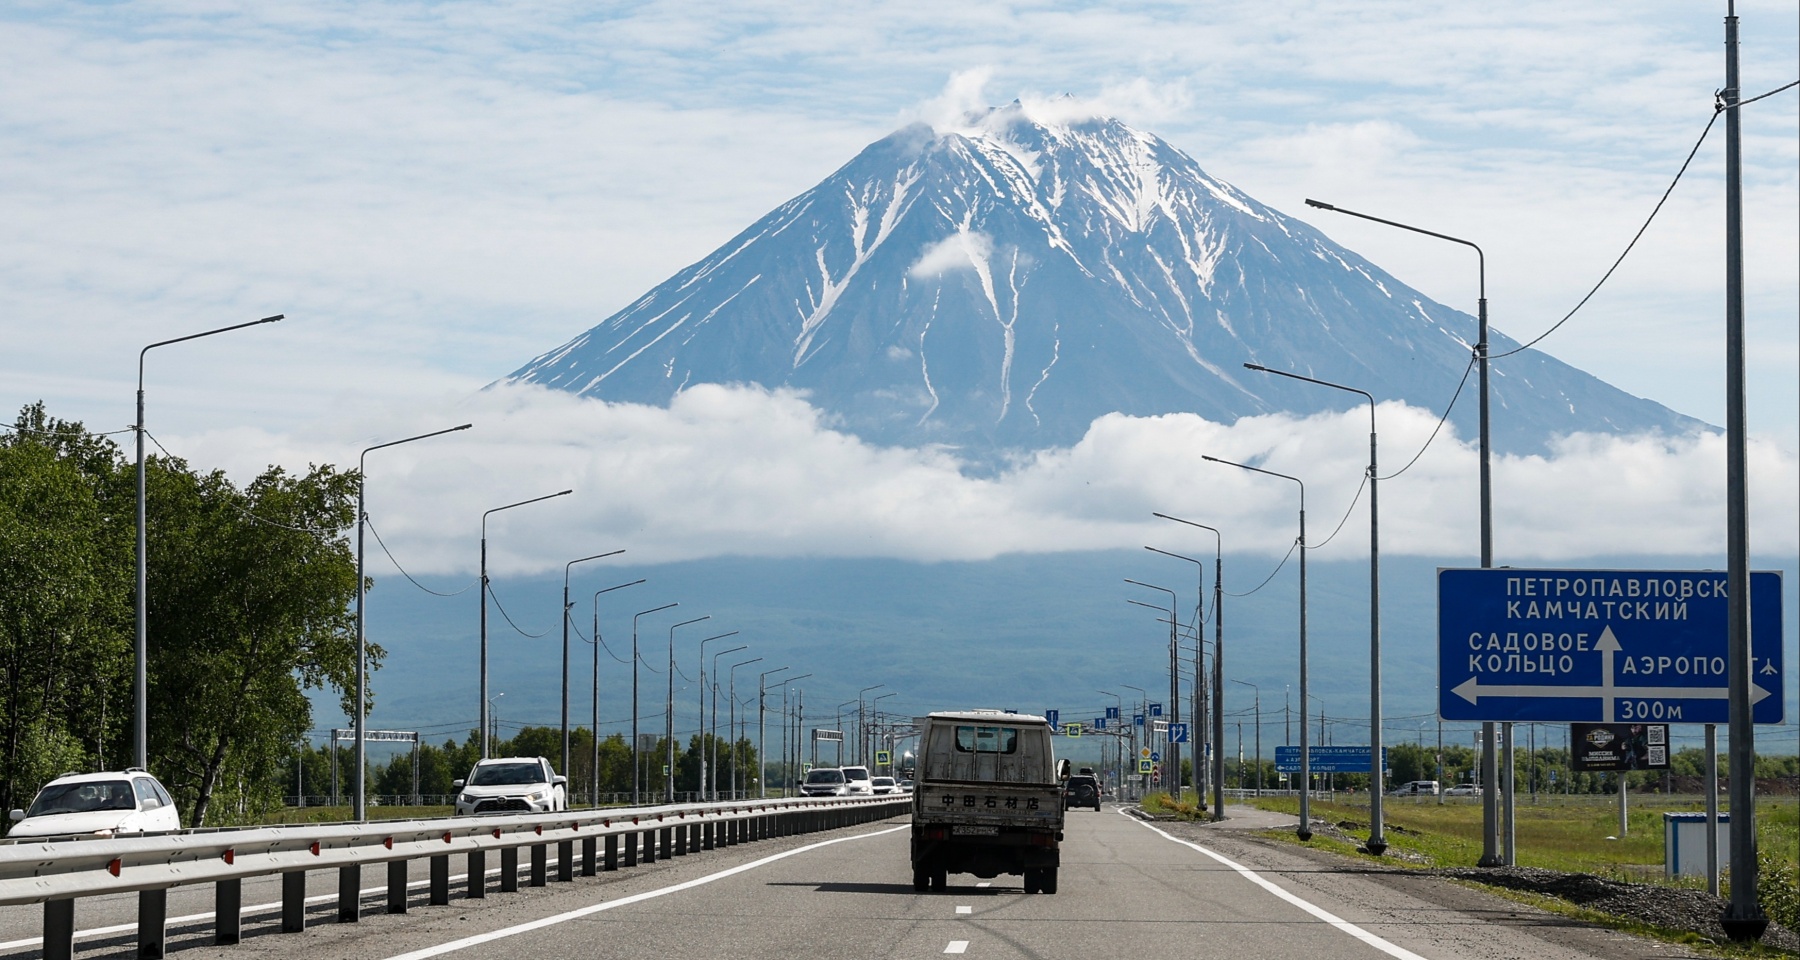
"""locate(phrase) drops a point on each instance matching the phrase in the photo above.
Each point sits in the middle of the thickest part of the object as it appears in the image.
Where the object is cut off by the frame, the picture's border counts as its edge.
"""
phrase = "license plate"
(969, 831)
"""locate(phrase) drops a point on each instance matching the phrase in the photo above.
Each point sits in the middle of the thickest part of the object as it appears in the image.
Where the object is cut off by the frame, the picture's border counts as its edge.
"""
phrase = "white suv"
(512, 785)
(97, 804)
(857, 782)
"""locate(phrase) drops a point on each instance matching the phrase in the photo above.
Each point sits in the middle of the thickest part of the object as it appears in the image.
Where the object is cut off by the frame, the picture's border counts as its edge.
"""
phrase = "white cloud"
(961, 250)
(739, 470)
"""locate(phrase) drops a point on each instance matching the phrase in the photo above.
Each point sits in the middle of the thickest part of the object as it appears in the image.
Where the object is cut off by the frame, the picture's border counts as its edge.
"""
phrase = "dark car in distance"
(1081, 791)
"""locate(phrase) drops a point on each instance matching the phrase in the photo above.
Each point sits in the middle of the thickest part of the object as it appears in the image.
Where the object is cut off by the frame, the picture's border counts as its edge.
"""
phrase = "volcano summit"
(1000, 285)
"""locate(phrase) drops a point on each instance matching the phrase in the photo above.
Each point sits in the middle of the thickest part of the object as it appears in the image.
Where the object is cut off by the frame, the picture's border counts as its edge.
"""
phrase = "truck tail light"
(1043, 839)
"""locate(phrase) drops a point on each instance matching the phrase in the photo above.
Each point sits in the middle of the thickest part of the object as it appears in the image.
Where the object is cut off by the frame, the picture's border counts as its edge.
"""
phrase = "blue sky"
(435, 193)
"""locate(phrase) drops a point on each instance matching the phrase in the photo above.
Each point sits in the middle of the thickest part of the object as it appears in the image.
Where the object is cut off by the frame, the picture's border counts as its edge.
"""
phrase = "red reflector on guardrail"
(496, 833)
(230, 855)
(314, 848)
(388, 842)
(446, 836)
(113, 867)
(539, 829)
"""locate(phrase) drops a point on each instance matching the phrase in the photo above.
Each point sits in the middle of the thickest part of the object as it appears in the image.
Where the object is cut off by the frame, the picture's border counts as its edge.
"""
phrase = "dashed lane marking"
(957, 946)
(965, 909)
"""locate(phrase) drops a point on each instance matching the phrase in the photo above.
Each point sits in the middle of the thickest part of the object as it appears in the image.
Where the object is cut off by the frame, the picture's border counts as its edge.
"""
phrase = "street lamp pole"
(762, 759)
(1174, 694)
(839, 758)
(1377, 833)
(565, 661)
(595, 773)
(710, 774)
(1118, 742)
(1199, 719)
(362, 644)
(861, 724)
(1145, 695)
(1257, 701)
(700, 711)
(1218, 662)
(731, 717)
(875, 715)
(484, 596)
(140, 722)
(637, 761)
(787, 727)
(1305, 831)
(1490, 763)
(669, 713)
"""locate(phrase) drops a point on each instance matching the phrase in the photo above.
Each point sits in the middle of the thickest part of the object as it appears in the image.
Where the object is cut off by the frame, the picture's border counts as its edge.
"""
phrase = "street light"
(1257, 701)
(710, 771)
(1174, 777)
(1118, 740)
(731, 717)
(1199, 723)
(840, 728)
(1133, 728)
(669, 711)
(1305, 831)
(595, 774)
(862, 726)
(565, 664)
(1490, 764)
(484, 596)
(762, 758)
(1377, 835)
(637, 762)
(1218, 662)
(493, 714)
(701, 710)
(140, 721)
(875, 713)
(362, 645)
(786, 768)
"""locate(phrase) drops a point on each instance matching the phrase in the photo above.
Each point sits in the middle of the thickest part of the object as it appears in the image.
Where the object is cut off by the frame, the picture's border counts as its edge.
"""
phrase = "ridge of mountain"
(1000, 285)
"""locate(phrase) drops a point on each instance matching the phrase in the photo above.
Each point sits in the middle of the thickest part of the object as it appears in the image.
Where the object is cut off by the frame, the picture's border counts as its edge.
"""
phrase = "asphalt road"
(1126, 889)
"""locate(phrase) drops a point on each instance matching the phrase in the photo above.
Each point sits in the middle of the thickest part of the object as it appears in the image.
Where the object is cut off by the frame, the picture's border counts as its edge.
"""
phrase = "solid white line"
(957, 946)
(591, 909)
(1352, 929)
(965, 910)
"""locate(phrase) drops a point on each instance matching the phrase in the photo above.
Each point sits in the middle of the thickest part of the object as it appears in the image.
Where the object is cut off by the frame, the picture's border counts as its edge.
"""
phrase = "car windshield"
(83, 797)
(499, 774)
(856, 773)
(884, 781)
(825, 776)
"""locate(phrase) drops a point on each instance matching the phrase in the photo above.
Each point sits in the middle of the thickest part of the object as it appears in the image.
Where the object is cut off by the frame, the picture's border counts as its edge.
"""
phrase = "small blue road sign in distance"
(1054, 717)
(1156, 709)
(1155, 756)
(1600, 646)
(1138, 719)
(1112, 713)
(1178, 733)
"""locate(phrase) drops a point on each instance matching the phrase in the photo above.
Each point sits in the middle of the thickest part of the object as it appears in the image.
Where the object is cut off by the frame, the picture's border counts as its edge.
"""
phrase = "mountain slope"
(999, 286)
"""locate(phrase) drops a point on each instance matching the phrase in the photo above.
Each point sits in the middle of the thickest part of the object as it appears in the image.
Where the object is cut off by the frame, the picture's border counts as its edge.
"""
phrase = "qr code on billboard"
(1659, 756)
(1658, 734)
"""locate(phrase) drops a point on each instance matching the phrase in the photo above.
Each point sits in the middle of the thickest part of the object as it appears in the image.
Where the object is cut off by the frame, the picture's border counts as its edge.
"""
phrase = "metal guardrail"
(58, 872)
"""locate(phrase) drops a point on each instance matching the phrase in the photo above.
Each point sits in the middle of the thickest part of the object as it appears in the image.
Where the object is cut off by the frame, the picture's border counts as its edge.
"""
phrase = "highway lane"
(1125, 890)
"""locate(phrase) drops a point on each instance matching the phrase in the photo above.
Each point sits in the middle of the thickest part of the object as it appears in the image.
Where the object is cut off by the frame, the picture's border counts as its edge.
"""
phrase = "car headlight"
(467, 798)
(539, 795)
(104, 833)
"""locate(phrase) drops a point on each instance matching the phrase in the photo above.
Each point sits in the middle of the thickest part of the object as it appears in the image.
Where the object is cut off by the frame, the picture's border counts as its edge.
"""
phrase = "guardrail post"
(153, 919)
(350, 893)
(477, 884)
(293, 901)
(59, 929)
(509, 869)
(565, 861)
(694, 837)
(706, 835)
(540, 858)
(664, 842)
(589, 850)
(631, 848)
(440, 880)
(681, 839)
(228, 911)
(612, 852)
(396, 886)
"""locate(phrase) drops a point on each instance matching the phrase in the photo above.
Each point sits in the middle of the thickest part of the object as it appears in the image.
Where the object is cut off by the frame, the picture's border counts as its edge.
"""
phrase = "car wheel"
(1033, 882)
(921, 879)
(940, 878)
(1047, 880)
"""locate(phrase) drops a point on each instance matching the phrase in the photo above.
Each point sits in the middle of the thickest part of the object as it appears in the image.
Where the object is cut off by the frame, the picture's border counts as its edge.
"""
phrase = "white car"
(883, 785)
(824, 782)
(512, 785)
(858, 782)
(97, 804)
(1462, 790)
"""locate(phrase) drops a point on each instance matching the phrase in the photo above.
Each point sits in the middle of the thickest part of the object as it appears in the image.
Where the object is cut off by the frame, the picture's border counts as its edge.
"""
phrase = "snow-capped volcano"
(1000, 285)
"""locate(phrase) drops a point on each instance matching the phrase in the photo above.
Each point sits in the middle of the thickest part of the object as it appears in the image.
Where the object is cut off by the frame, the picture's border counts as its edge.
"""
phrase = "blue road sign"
(1600, 646)
(1155, 757)
(1054, 717)
(1178, 733)
(1156, 709)
(1138, 719)
(1112, 713)
(1099, 723)
(1327, 759)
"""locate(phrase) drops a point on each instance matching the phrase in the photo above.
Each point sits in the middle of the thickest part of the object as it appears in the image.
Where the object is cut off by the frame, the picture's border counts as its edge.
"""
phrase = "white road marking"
(591, 909)
(984, 883)
(965, 909)
(957, 946)
(1352, 929)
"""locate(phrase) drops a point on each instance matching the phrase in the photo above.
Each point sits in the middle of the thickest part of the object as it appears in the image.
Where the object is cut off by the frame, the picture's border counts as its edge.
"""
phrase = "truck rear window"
(972, 739)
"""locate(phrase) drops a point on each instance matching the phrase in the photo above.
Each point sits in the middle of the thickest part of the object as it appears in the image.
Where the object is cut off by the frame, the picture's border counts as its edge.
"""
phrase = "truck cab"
(988, 799)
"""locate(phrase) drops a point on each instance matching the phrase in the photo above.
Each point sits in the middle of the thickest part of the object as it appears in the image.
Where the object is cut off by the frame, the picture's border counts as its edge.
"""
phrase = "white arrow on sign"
(1473, 689)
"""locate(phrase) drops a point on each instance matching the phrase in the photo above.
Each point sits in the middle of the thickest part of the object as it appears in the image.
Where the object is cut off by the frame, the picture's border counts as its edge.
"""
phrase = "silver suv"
(858, 782)
(824, 782)
(512, 784)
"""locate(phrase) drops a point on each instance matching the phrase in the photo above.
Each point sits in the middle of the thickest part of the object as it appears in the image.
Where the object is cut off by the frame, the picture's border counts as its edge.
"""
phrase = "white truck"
(988, 799)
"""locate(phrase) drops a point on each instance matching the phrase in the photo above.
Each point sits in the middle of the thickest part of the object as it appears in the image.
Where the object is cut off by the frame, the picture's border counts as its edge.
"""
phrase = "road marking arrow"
(1473, 690)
